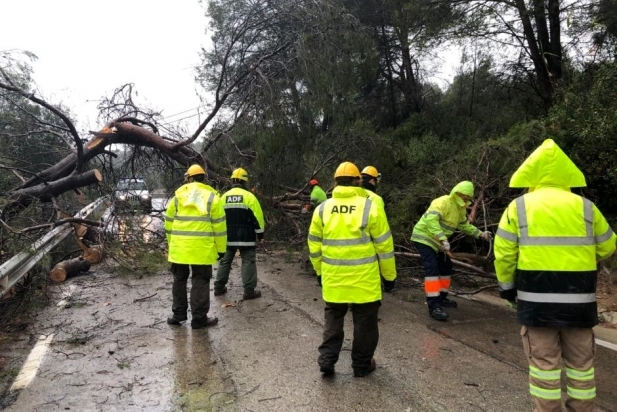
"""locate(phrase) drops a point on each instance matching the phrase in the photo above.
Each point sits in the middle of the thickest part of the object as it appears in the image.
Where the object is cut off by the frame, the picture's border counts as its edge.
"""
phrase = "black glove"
(319, 280)
(509, 295)
(221, 256)
(388, 285)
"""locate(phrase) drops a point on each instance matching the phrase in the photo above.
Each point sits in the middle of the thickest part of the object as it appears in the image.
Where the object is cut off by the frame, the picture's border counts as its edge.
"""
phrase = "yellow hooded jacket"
(549, 241)
(445, 215)
(195, 225)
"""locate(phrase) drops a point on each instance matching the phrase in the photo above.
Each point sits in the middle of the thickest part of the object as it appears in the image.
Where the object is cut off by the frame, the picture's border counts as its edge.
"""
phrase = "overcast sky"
(88, 48)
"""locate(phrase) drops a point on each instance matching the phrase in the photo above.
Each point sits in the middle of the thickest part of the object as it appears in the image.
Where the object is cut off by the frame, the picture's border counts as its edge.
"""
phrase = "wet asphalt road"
(111, 350)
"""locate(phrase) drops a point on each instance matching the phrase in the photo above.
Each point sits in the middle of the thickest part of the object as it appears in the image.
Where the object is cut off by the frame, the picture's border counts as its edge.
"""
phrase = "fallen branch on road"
(144, 298)
(477, 271)
(269, 399)
(473, 292)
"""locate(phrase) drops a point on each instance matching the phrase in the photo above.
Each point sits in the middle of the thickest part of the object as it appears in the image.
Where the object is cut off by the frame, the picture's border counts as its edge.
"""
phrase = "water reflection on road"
(197, 379)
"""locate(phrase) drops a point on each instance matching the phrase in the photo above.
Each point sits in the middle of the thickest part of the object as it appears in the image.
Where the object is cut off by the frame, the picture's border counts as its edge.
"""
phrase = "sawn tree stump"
(68, 268)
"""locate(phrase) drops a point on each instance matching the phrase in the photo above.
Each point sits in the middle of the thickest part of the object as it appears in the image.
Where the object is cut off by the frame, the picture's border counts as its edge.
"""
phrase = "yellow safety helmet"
(194, 170)
(240, 174)
(347, 169)
(372, 172)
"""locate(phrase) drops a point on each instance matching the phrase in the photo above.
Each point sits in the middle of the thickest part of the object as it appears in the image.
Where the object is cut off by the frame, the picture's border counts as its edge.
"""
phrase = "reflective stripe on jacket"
(350, 244)
(546, 247)
(445, 215)
(195, 225)
(548, 243)
(245, 219)
(375, 198)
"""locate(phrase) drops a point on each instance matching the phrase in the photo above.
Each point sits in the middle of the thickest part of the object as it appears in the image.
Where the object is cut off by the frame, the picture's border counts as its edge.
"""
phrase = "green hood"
(465, 188)
(548, 165)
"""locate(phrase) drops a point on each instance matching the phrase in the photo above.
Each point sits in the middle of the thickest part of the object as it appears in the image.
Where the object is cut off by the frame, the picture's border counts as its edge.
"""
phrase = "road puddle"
(199, 385)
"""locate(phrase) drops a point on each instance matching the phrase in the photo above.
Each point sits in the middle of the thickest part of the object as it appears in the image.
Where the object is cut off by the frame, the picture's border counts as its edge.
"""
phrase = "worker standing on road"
(370, 178)
(196, 233)
(245, 225)
(430, 237)
(350, 243)
(546, 251)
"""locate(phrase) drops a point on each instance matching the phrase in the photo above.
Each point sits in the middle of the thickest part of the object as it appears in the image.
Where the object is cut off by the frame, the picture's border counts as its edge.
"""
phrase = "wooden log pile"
(89, 240)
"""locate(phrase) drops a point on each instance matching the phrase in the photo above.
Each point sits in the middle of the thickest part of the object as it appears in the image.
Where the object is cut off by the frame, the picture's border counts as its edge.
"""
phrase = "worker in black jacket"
(245, 227)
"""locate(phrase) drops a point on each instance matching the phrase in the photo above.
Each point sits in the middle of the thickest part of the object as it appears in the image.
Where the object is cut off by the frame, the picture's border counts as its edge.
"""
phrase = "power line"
(180, 119)
(182, 112)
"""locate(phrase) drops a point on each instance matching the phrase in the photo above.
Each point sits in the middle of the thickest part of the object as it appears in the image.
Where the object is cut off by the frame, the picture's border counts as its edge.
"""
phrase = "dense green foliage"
(305, 85)
(359, 89)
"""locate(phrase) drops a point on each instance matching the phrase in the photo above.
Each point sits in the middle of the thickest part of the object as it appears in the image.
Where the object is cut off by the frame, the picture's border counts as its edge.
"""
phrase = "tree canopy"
(299, 86)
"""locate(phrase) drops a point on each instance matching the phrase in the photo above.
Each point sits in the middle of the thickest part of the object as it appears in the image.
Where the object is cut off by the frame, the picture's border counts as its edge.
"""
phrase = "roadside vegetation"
(300, 86)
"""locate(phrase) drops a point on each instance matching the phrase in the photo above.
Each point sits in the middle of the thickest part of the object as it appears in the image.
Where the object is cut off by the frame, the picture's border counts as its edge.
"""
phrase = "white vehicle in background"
(132, 194)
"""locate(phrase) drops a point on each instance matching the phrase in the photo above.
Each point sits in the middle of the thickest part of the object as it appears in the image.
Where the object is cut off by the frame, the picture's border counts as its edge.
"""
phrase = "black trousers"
(365, 334)
(200, 291)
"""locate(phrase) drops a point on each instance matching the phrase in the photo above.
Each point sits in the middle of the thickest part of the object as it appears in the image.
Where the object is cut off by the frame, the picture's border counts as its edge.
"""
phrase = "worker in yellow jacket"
(444, 216)
(546, 252)
(197, 236)
(350, 243)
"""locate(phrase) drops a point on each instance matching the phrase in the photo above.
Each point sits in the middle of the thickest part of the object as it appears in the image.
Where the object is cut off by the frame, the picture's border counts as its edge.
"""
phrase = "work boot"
(327, 370)
(219, 292)
(210, 321)
(175, 321)
(362, 373)
(439, 314)
(447, 303)
(252, 295)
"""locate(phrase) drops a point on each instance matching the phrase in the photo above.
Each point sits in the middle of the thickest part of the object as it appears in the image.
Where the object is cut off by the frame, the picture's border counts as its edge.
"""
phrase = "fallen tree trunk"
(68, 268)
(61, 177)
(21, 198)
(57, 187)
(478, 271)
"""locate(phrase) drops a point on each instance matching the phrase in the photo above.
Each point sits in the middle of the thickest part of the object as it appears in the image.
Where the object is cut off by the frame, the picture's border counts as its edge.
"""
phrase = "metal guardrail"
(13, 270)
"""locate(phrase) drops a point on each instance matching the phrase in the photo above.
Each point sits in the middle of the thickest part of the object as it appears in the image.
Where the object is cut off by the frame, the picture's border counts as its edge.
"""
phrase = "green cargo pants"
(248, 270)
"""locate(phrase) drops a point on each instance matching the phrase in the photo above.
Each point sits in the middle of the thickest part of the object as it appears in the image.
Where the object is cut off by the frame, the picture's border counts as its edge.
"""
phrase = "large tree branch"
(228, 91)
(55, 188)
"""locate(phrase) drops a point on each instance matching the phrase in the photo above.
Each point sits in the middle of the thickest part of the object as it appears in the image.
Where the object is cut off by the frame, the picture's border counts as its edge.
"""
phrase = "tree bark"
(45, 191)
(537, 56)
(68, 268)
(93, 254)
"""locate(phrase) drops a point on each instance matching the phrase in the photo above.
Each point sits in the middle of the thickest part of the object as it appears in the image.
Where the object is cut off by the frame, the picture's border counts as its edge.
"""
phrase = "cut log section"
(93, 254)
(68, 268)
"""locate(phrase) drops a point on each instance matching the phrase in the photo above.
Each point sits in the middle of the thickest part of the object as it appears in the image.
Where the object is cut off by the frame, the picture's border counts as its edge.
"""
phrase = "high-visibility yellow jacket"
(445, 215)
(318, 195)
(350, 244)
(375, 198)
(548, 243)
(195, 225)
(245, 219)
